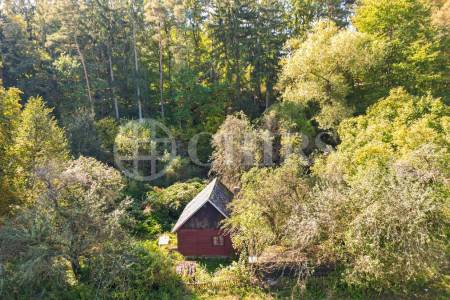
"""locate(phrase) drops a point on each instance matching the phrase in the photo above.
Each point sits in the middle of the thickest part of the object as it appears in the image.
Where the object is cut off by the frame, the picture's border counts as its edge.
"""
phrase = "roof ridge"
(197, 202)
(200, 194)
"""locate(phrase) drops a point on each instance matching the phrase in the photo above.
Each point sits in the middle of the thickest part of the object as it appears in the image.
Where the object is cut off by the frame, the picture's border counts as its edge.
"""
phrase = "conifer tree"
(36, 142)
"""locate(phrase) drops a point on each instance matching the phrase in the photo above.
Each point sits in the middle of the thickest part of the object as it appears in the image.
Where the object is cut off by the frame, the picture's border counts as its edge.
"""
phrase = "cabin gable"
(207, 217)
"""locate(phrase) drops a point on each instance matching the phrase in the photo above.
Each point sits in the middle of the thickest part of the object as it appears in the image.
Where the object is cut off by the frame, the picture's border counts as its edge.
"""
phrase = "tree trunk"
(76, 268)
(268, 88)
(136, 69)
(86, 77)
(169, 61)
(238, 81)
(161, 101)
(237, 64)
(111, 72)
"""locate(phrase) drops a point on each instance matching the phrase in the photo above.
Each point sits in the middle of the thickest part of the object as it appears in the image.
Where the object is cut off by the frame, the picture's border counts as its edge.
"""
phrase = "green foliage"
(332, 287)
(197, 107)
(22, 64)
(69, 85)
(364, 225)
(212, 264)
(9, 115)
(158, 210)
(239, 145)
(70, 243)
(230, 279)
(133, 138)
(246, 43)
(196, 56)
(386, 189)
(107, 129)
(376, 208)
(38, 139)
(167, 204)
(402, 214)
(91, 137)
(77, 212)
(9, 121)
(416, 56)
(82, 134)
(331, 69)
(145, 226)
(36, 142)
(137, 271)
(136, 145)
(261, 213)
(193, 106)
(395, 128)
(290, 116)
(236, 149)
(304, 13)
(288, 129)
(382, 17)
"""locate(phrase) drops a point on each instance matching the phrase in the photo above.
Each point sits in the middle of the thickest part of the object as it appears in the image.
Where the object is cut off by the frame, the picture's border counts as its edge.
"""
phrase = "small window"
(218, 241)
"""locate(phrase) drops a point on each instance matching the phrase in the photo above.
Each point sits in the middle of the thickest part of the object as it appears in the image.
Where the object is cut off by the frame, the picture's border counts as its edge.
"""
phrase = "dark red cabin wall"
(199, 242)
(195, 237)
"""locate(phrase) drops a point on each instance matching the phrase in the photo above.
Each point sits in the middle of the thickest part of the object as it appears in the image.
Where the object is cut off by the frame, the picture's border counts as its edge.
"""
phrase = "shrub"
(167, 204)
(137, 271)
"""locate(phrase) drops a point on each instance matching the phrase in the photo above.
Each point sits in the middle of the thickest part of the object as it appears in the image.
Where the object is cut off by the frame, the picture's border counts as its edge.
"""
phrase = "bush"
(107, 129)
(167, 204)
(382, 207)
(131, 270)
(139, 271)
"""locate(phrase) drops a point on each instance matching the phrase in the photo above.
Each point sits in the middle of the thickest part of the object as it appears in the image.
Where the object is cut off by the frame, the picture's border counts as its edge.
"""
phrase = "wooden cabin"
(198, 228)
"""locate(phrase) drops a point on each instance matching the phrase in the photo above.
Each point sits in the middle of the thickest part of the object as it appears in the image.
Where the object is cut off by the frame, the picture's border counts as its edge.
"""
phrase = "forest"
(329, 120)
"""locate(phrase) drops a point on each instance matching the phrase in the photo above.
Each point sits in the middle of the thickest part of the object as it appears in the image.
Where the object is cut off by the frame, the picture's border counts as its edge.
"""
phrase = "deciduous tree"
(331, 70)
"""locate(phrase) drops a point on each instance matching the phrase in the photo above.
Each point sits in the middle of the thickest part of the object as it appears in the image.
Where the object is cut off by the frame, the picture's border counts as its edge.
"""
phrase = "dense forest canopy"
(329, 119)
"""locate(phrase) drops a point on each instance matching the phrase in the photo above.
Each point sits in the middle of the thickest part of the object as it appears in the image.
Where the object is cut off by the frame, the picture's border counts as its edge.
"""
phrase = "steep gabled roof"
(215, 193)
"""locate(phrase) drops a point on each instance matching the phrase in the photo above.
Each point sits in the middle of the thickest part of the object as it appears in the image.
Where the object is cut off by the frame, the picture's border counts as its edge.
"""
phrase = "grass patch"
(212, 264)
